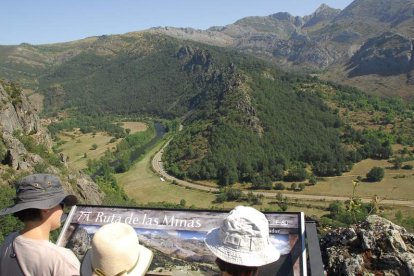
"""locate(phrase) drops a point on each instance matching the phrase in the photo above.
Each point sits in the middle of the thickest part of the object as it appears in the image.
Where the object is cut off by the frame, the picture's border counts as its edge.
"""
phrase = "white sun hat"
(243, 239)
(116, 251)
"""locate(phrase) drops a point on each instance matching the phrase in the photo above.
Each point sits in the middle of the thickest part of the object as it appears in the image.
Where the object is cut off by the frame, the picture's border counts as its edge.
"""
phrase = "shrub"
(255, 199)
(312, 180)
(407, 167)
(8, 224)
(375, 174)
(40, 167)
(3, 151)
(228, 194)
(279, 186)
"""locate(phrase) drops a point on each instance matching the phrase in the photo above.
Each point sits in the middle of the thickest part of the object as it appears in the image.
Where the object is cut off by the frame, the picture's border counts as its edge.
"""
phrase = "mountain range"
(247, 118)
(368, 45)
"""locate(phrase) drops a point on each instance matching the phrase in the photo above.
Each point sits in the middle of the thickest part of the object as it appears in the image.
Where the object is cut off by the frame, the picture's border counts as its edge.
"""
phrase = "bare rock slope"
(375, 245)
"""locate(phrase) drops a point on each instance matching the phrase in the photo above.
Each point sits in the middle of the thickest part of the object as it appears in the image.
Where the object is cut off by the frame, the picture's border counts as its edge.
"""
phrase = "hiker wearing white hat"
(241, 243)
(116, 251)
(39, 205)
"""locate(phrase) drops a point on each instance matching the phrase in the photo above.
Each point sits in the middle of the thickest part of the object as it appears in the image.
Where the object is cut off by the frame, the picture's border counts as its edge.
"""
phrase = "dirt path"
(158, 167)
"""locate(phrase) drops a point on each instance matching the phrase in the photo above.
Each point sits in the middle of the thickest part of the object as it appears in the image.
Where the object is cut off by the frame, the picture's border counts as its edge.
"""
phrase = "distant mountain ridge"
(327, 41)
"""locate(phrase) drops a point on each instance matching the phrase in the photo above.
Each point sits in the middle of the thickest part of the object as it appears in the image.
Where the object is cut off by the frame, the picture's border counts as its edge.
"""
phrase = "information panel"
(176, 237)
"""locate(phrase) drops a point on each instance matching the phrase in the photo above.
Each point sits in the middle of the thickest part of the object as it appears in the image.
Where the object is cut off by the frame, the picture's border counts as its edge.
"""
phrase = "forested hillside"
(244, 119)
(303, 128)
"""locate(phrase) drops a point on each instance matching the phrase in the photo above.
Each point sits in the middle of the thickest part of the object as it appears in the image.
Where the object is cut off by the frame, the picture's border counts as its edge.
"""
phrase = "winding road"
(158, 167)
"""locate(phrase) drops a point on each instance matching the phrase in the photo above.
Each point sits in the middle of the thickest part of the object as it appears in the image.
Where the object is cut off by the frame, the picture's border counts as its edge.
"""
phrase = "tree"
(375, 174)
(94, 146)
(296, 174)
(407, 167)
(312, 180)
(227, 174)
(282, 201)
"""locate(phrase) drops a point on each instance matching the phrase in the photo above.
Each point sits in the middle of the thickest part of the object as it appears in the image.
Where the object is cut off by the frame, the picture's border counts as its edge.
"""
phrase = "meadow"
(79, 147)
(145, 187)
(397, 184)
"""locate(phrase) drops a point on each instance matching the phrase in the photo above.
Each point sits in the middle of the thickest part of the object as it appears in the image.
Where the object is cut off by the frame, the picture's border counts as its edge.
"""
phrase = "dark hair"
(236, 270)
(31, 214)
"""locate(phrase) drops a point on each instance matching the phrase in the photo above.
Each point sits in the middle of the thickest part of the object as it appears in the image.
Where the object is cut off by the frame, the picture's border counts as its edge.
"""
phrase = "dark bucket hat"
(39, 191)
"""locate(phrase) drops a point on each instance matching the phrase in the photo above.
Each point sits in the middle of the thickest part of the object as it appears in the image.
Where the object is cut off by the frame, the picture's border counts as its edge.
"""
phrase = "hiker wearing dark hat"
(39, 205)
(241, 243)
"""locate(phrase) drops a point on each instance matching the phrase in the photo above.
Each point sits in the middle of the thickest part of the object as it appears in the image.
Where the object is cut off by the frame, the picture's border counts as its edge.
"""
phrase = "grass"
(135, 126)
(397, 184)
(144, 186)
(391, 187)
(77, 144)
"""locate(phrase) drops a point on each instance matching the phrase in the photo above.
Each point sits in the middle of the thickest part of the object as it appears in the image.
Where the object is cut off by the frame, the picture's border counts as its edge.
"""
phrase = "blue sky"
(51, 21)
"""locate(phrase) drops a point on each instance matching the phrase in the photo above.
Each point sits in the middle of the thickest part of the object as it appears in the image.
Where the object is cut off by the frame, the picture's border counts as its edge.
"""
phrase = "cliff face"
(370, 247)
(18, 121)
(17, 117)
(386, 55)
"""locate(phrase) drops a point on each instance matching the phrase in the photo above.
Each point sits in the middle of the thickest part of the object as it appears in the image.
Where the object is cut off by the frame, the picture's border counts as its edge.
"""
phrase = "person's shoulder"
(60, 251)
(64, 259)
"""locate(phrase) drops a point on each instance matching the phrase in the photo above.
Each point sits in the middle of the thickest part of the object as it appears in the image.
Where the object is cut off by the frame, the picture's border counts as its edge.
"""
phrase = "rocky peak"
(323, 9)
(285, 16)
(373, 245)
(323, 14)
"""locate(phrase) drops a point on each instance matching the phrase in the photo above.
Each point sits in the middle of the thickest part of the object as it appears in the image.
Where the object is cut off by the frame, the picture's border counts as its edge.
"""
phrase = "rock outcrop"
(18, 121)
(18, 117)
(233, 88)
(388, 54)
(321, 16)
(373, 246)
